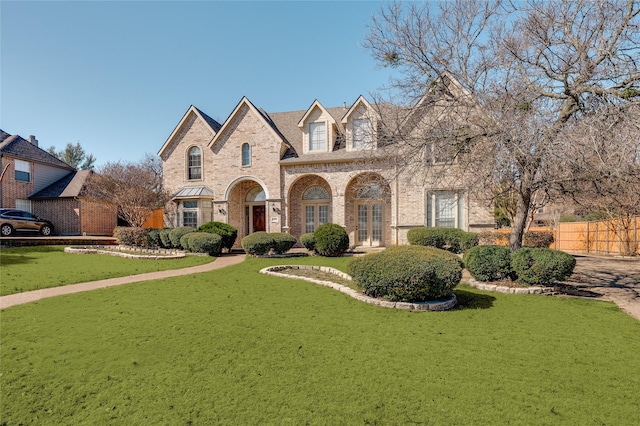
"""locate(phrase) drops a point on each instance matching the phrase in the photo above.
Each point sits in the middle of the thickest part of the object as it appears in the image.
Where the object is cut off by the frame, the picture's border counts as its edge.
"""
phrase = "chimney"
(344, 105)
(33, 140)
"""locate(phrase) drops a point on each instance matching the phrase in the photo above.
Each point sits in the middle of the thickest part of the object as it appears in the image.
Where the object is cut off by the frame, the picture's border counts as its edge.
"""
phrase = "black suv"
(12, 220)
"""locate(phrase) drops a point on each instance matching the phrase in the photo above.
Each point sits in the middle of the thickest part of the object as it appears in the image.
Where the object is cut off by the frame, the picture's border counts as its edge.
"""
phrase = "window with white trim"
(195, 163)
(317, 137)
(246, 154)
(362, 133)
(445, 209)
(315, 201)
(22, 171)
(190, 213)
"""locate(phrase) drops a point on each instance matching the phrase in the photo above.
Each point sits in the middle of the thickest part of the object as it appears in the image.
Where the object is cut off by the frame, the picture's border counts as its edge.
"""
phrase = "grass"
(33, 268)
(237, 347)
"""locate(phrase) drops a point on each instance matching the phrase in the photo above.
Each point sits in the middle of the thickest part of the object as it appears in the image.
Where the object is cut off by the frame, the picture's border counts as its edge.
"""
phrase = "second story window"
(362, 133)
(23, 171)
(246, 154)
(317, 137)
(195, 163)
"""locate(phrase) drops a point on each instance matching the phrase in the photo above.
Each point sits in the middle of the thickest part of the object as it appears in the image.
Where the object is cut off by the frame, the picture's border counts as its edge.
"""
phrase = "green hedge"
(202, 242)
(331, 240)
(164, 238)
(541, 266)
(308, 241)
(153, 238)
(262, 243)
(450, 239)
(488, 263)
(407, 273)
(228, 233)
(176, 233)
(130, 236)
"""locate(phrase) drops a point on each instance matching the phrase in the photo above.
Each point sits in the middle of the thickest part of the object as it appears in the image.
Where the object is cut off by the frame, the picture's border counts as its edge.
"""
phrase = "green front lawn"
(33, 268)
(236, 347)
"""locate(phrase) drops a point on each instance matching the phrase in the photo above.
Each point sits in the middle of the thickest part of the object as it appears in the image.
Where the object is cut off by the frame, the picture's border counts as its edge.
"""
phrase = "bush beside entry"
(226, 231)
(176, 233)
(407, 273)
(331, 240)
(261, 243)
(202, 242)
(308, 241)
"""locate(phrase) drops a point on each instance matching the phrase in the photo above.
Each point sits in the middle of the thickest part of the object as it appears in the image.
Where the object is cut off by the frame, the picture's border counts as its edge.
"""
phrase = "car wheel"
(45, 230)
(6, 230)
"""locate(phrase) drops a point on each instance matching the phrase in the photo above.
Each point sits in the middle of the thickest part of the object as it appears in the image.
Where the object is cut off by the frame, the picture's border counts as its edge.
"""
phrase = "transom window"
(195, 163)
(362, 133)
(317, 136)
(315, 201)
(255, 195)
(370, 190)
(23, 171)
(445, 209)
(246, 154)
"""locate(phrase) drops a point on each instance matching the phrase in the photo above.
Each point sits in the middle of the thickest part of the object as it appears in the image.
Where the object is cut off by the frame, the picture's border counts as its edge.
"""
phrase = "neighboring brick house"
(292, 171)
(36, 181)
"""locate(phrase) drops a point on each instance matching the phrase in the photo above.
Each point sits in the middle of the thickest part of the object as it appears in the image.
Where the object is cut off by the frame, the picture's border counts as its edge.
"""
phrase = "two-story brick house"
(292, 171)
(35, 181)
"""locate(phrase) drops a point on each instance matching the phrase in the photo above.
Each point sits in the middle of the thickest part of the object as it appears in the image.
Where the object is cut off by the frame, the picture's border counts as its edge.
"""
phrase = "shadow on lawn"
(21, 256)
(469, 300)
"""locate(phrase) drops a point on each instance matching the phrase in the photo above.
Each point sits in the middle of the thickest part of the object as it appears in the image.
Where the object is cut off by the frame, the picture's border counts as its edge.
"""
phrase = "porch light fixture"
(222, 212)
(275, 209)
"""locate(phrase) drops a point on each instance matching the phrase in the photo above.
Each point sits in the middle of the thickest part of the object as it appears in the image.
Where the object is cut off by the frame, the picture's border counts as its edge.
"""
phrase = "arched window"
(246, 154)
(315, 202)
(195, 163)
(371, 191)
(255, 195)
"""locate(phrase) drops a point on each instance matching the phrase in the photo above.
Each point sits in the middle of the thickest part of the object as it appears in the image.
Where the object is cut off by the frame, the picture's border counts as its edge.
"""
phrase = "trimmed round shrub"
(488, 263)
(540, 239)
(202, 242)
(308, 241)
(331, 240)
(407, 273)
(258, 243)
(541, 266)
(176, 233)
(164, 238)
(451, 239)
(153, 238)
(282, 242)
(228, 233)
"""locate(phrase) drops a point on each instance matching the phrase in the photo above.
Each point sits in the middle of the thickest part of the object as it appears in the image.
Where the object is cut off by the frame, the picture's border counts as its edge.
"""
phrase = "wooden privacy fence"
(600, 237)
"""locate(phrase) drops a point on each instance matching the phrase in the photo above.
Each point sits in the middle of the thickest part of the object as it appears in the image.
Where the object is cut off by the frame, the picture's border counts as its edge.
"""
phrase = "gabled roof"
(18, 147)
(314, 105)
(245, 102)
(72, 185)
(210, 122)
(360, 101)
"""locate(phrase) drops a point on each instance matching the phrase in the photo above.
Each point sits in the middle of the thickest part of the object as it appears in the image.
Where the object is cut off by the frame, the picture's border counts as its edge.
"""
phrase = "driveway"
(614, 278)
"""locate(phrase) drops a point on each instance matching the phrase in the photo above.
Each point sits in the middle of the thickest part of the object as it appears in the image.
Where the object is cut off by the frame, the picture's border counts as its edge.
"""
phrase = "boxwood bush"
(202, 242)
(228, 233)
(164, 238)
(331, 240)
(282, 242)
(407, 273)
(261, 243)
(541, 266)
(176, 233)
(488, 263)
(153, 238)
(308, 241)
(450, 239)
(131, 236)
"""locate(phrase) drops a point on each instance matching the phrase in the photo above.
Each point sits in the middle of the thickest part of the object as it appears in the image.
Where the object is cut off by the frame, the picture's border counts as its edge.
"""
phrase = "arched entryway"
(310, 201)
(368, 210)
(247, 207)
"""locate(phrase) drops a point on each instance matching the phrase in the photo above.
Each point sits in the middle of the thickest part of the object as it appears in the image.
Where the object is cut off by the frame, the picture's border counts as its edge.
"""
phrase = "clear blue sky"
(117, 76)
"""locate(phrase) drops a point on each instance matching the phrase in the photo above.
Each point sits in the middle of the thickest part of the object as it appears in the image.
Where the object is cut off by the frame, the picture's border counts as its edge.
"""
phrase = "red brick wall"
(12, 189)
(64, 213)
(98, 218)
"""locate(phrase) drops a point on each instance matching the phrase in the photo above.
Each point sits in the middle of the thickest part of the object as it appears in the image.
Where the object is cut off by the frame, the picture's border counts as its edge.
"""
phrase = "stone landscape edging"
(437, 305)
(511, 290)
(153, 254)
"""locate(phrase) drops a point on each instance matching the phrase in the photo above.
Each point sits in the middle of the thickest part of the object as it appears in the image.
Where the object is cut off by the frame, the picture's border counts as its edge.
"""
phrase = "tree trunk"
(520, 220)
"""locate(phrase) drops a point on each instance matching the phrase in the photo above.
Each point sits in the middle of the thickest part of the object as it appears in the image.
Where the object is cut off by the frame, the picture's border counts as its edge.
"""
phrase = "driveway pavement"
(32, 296)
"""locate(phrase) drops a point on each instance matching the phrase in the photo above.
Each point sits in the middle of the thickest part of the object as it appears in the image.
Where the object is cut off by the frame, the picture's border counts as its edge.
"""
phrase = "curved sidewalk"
(32, 296)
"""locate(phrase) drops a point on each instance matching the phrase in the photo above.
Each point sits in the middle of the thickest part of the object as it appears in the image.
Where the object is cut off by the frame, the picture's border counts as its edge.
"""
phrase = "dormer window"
(246, 154)
(317, 137)
(195, 163)
(362, 133)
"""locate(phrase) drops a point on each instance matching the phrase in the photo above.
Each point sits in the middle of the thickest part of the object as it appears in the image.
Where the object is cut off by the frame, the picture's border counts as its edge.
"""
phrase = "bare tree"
(527, 71)
(135, 189)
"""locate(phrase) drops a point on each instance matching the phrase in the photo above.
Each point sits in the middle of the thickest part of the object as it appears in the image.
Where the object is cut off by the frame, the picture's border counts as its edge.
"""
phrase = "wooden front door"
(259, 221)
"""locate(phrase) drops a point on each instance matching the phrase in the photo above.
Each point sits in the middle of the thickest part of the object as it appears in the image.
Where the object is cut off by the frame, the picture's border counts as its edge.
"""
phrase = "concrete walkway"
(31, 296)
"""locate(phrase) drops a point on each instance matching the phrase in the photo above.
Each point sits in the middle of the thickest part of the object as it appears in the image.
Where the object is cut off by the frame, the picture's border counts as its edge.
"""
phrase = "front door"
(369, 229)
(259, 221)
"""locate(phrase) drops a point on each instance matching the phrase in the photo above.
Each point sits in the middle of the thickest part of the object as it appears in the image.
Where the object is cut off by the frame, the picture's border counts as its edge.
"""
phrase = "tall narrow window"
(317, 137)
(246, 154)
(195, 163)
(23, 171)
(362, 133)
(316, 207)
(190, 213)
